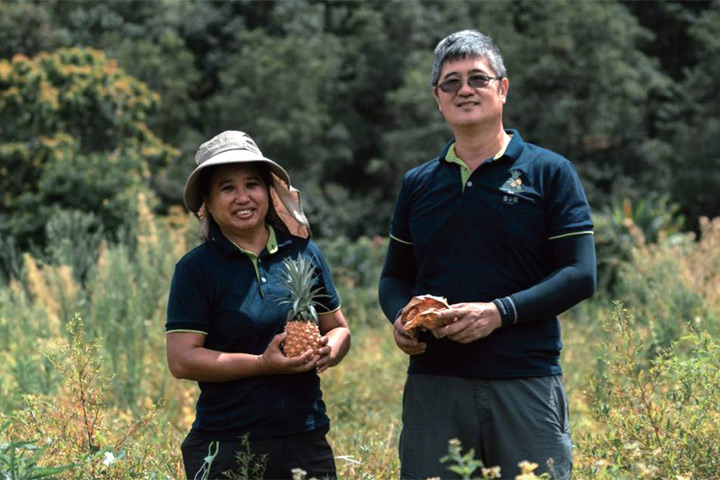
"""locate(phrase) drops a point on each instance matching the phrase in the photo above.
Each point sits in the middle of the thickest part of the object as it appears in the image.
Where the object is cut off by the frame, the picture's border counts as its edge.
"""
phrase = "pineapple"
(302, 320)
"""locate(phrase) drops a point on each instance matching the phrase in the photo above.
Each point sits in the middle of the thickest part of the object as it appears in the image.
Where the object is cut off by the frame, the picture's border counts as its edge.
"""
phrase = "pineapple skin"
(301, 336)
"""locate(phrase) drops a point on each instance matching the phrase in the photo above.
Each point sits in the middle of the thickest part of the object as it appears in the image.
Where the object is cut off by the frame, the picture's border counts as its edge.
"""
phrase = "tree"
(581, 85)
(696, 125)
(25, 28)
(73, 135)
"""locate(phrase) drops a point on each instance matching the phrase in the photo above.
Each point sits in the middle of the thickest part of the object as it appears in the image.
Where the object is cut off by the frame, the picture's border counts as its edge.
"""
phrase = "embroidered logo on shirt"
(513, 184)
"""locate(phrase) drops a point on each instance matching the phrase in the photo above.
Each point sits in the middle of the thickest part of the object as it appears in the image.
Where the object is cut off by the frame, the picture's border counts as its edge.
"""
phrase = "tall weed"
(674, 287)
(356, 267)
(78, 427)
(658, 417)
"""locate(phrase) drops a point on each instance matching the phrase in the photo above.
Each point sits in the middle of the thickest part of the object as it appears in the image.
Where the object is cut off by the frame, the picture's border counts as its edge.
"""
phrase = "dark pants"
(504, 421)
(309, 451)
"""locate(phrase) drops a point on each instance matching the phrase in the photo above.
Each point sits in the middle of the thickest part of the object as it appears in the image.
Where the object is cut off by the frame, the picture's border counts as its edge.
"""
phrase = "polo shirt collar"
(512, 150)
(275, 241)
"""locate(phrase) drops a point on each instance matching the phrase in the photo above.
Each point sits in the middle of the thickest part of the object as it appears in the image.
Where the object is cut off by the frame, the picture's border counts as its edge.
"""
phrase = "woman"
(225, 323)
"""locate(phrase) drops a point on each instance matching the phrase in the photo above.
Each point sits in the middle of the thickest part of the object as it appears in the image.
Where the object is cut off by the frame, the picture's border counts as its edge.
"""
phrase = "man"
(502, 229)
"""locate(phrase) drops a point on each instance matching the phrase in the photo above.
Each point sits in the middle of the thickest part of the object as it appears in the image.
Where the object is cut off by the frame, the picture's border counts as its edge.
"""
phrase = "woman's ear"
(205, 218)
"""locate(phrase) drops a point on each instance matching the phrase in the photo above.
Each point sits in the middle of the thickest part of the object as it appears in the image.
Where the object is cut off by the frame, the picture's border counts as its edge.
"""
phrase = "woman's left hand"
(323, 355)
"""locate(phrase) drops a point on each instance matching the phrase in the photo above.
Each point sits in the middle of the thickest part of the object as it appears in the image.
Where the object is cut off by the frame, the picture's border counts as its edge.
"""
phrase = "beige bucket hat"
(238, 147)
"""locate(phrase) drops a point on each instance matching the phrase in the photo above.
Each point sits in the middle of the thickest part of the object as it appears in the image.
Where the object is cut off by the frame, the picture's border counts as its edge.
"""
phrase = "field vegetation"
(85, 392)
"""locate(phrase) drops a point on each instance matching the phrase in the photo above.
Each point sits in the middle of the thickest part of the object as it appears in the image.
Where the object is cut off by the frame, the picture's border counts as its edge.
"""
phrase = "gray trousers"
(504, 421)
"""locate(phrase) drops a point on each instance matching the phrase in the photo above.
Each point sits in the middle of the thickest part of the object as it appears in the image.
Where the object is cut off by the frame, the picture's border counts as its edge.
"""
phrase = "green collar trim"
(451, 157)
(271, 246)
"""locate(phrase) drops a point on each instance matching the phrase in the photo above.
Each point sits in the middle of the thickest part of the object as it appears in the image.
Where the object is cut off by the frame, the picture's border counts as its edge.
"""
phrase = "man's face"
(471, 106)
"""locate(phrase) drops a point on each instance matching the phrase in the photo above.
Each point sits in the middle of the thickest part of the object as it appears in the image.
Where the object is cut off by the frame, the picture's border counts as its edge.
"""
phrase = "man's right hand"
(405, 342)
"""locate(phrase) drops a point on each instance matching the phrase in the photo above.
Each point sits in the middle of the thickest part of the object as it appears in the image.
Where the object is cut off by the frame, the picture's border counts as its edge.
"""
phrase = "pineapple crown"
(297, 281)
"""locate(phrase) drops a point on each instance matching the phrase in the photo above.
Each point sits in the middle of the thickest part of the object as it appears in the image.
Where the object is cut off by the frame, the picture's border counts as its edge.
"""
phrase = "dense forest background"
(103, 99)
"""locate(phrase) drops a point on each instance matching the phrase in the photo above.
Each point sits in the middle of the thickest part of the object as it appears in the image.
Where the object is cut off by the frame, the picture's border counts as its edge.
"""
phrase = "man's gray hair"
(467, 44)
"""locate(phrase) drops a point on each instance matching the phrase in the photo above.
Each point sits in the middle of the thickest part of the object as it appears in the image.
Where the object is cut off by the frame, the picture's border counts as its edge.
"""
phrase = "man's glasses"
(475, 81)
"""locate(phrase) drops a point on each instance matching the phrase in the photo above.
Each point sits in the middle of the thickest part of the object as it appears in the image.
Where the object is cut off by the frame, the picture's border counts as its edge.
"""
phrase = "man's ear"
(436, 97)
(503, 88)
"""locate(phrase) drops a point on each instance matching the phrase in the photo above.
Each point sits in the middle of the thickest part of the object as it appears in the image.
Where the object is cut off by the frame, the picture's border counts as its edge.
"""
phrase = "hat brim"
(191, 194)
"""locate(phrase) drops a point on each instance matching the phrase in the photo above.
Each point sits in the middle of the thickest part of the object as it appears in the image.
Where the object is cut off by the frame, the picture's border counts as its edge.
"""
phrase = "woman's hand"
(274, 362)
(324, 353)
(335, 340)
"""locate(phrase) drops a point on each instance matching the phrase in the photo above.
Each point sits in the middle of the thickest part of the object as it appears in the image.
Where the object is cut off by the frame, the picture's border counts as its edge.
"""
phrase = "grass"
(84, 387)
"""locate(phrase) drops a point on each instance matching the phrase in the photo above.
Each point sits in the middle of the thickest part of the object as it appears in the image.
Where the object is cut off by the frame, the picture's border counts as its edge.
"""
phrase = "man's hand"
(405, 342)
(474, 321)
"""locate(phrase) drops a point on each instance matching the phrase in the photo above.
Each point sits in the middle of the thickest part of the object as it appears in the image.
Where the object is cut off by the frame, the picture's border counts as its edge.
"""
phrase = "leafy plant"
(658, 418)
(250, 465)
(19, 460)
(465, 464)
(77, 424)
(622, 225)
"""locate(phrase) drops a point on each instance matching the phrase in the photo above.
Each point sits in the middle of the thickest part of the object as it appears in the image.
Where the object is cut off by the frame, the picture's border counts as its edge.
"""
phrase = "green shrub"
(356, 267)
(623, 225)
(658, 417)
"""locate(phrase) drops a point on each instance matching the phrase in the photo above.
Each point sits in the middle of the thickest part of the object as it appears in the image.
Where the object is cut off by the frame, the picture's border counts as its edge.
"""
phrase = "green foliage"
(669, 285)
(465, 465)
(72, 238)
(19, 461)
(75, 425)
(356, 267)
(620, 226)
(462, 464)
(10, 259)
(602, 83)
(338, 92)
(297, 282)
(123, 305)
(73, 136)
(695, 125)
(659, 417)
(25, 28)
(250, 465)
(581, 85)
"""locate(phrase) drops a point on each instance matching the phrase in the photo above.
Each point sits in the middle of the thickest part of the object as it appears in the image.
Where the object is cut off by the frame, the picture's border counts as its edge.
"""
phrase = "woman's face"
(238, 199)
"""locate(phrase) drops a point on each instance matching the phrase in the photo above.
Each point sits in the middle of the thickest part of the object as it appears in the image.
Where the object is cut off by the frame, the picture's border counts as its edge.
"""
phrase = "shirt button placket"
(261, 276)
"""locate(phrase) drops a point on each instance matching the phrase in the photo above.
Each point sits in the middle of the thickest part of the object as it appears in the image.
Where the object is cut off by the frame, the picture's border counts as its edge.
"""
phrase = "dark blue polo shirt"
(218, 290)
(489, 240)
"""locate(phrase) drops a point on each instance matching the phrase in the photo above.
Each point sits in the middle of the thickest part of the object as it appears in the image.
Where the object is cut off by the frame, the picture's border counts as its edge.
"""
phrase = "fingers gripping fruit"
(302, 320)
(422, 313)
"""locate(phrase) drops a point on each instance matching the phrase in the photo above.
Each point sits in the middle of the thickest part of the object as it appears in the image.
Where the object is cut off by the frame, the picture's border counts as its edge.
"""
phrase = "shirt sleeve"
(568, 212)
(329, 300)
(188, 301)
(395, 288)
(574, 280)
(400, 222)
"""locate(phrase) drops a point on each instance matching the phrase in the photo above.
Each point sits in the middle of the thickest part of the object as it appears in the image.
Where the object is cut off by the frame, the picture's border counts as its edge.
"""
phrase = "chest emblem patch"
(513, 184)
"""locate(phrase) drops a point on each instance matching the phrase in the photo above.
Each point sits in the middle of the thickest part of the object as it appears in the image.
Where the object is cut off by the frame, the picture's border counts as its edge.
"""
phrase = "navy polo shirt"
(488, 239)
(232, 297)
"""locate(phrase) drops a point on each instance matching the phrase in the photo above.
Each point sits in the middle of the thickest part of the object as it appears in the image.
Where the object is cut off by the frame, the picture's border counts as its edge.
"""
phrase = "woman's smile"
(238, 200)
